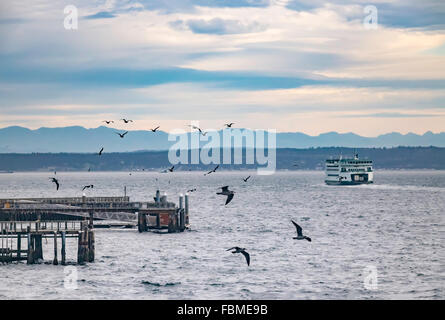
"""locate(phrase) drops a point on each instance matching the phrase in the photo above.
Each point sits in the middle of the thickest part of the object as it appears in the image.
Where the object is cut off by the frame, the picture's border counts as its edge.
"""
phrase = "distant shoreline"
(399, 158)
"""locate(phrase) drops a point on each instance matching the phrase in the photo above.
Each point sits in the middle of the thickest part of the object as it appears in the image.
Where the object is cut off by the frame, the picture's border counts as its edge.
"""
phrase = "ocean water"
(394, 227)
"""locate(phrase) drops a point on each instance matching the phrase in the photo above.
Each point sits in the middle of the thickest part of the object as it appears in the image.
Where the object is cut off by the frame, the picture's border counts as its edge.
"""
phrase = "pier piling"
(63, 253)
(55, 261)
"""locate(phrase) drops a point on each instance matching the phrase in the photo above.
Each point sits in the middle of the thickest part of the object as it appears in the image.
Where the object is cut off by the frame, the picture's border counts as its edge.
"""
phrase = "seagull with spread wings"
(122, 135)
(211, 171)
(300, 235)
(226, 192)
(243, 252)
(56, 182)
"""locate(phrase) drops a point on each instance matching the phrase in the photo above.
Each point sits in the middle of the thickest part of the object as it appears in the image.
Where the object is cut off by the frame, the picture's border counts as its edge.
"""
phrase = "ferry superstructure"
(349, 171)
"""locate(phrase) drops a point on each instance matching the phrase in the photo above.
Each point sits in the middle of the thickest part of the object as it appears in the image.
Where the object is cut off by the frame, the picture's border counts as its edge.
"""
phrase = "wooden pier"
(22, 240)
(24, 222)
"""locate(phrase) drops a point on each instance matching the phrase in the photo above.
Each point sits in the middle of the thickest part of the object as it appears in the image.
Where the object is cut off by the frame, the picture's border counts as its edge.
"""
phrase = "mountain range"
(78, 139)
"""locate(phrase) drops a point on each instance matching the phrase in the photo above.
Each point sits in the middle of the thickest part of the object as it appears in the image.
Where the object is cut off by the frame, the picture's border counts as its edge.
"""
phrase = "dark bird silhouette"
(245, 180)
(300, 233)
(191, 190)
(100, 152)
(122, 135)
(171, 169)
(108, 121)
(229, 125)
(87, 187)
(154, 130)
(243, 252)
(56, 182)
(126, 121)
(199, 129)
(226, 192)
(211, 171)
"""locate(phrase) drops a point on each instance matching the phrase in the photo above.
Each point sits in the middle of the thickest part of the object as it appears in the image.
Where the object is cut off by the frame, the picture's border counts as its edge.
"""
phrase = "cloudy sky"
(311, 66)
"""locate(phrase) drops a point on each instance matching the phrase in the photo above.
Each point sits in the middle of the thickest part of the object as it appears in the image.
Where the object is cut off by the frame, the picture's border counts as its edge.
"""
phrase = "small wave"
(400, 187)
(157, 284)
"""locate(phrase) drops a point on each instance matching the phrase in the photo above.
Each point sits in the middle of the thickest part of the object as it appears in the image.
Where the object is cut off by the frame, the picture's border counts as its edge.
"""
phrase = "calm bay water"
(395, 226)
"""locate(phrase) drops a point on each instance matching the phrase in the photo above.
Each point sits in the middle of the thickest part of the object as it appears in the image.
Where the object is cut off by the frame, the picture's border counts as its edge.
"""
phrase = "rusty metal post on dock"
(158, 197)
(186, 204)
(142, 221)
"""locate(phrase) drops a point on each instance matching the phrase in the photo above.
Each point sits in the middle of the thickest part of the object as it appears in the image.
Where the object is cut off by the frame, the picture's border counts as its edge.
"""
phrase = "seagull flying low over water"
(122, 135)
(243, 251)
(226, 192)
(87, 187)
(126, 121)
(154, 130)
(100, 152)
(56, 182)
(211, 171)
(245, 180)
(108, 121)
(300, 233)
(229, 125)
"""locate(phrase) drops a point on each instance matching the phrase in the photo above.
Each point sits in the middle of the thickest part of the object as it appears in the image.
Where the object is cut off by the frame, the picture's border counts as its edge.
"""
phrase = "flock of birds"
(224, 190)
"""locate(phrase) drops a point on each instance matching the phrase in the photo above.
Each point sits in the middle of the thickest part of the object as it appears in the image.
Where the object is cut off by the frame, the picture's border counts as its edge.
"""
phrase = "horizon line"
(241, 128)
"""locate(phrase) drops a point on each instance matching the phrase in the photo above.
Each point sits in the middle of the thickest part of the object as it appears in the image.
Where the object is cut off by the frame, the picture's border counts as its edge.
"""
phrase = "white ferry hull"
(346, 183)
(344, 171)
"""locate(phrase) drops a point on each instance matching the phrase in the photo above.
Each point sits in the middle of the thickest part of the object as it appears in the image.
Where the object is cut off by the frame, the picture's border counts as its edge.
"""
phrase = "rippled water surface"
(395, 225)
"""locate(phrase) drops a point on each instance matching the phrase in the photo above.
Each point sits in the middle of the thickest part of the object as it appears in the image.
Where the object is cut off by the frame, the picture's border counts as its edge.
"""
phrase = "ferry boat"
(349, 171)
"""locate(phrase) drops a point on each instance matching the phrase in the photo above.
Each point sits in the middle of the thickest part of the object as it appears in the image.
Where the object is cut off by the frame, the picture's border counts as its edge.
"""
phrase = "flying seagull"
(171, 169)
(226, 192)
(229, 125)
(87, 187)
(191, 190)
(126, 121)
(245, 180)
(108, 121)
(199, 129)
(56, 182)
(211, 171)
(243, 251)
(100, 152)
(300, 233)
(122, 135)
(154, 130)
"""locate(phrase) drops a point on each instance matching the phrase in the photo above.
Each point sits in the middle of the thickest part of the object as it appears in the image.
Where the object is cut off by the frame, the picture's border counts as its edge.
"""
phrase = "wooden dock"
(24, 222)
(22, 240)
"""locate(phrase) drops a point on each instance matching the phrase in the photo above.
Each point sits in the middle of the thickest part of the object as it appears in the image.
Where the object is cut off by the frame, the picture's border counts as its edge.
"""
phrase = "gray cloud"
(217, 26)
